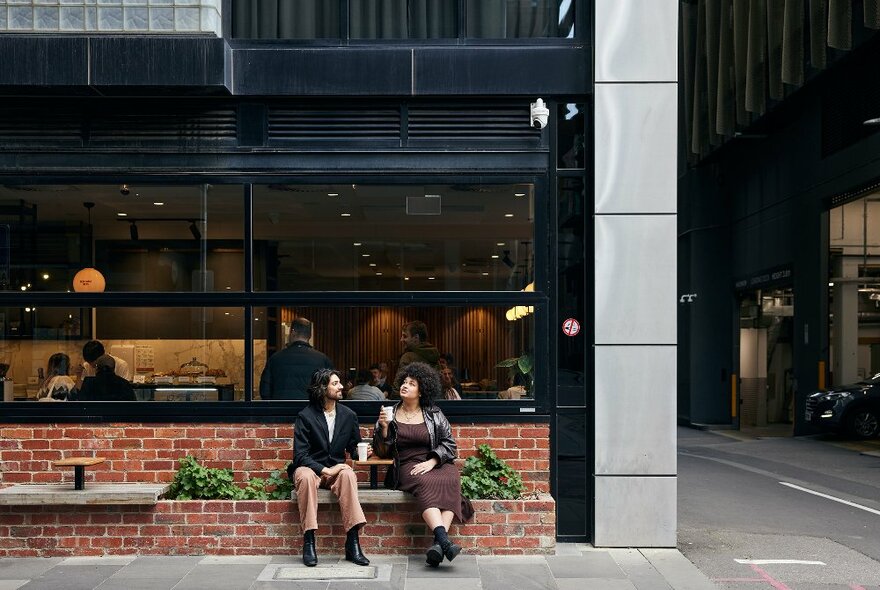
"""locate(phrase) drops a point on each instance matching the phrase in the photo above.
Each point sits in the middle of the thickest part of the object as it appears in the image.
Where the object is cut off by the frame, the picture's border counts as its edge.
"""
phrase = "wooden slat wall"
(477, 337)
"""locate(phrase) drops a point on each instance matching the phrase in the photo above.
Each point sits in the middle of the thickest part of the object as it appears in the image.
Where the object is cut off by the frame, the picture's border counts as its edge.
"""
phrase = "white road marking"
(782, 561)
(832, 498)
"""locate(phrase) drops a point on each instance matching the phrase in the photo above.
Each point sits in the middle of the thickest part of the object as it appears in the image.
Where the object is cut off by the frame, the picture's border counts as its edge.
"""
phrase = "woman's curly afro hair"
(428, 379)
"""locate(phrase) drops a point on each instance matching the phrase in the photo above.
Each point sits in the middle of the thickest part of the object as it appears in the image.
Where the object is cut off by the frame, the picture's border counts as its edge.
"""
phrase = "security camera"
(124, 190)
(539, 114)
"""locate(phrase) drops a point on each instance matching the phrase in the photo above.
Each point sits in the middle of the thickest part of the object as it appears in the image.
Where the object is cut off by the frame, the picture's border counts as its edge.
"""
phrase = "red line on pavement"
(734, 580)
(857, 587)
(769, 579)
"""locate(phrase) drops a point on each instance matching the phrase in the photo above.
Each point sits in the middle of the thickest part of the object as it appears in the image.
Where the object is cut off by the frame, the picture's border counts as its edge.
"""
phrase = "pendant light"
(89, 279)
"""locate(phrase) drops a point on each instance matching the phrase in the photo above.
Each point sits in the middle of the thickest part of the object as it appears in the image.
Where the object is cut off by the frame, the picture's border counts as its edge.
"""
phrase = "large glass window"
(472, 345)
(360, 237)
(139, 237)
(167, 353)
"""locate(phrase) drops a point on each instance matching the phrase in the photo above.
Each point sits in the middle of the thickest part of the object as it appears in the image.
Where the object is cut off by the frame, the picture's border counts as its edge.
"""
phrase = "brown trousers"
(344, 487)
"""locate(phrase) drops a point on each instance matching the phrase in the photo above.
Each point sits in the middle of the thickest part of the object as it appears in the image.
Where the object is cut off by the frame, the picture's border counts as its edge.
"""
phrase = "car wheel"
(864, 423)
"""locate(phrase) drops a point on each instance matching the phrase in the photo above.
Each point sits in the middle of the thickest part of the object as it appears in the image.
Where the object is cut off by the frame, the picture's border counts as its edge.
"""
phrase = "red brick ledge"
(223, 527)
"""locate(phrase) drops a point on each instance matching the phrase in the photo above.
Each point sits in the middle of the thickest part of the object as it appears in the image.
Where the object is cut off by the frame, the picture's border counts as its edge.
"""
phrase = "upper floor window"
(403, 19)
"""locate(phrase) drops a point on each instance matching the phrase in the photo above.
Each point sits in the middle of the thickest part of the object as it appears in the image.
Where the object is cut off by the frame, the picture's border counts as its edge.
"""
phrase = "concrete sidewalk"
(574, 567)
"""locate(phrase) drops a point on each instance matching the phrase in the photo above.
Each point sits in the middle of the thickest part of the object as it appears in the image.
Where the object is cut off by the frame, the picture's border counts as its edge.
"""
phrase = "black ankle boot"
(434, 555)
(353, 551)
(450, 550)
(310, 555)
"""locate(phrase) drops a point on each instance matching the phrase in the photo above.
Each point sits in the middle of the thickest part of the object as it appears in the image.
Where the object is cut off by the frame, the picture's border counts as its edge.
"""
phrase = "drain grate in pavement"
(326, 572)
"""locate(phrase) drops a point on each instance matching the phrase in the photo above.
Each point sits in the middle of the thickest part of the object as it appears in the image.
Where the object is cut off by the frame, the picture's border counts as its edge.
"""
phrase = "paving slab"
(679, 573)
(12, 584)
(593, 584)
(589, 565)
(464, 566)
(25, 568)
(519, 576)
(638, 570)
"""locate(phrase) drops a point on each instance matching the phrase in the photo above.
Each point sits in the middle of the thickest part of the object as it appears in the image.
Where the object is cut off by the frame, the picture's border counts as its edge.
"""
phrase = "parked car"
(852, 409)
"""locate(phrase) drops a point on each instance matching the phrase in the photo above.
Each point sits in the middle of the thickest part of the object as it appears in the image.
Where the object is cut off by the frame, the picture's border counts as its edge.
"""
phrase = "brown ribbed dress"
(438, 488)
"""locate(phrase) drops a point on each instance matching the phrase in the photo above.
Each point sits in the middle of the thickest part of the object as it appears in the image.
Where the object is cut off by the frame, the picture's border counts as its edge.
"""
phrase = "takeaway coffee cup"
(389, 412)
(362, 451)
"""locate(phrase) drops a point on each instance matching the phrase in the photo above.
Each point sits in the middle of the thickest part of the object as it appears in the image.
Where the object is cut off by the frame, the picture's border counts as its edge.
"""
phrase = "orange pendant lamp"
(89, 280)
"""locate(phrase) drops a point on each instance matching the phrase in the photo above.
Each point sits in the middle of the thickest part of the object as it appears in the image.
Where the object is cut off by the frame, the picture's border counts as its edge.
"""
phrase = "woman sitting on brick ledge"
(419, 439)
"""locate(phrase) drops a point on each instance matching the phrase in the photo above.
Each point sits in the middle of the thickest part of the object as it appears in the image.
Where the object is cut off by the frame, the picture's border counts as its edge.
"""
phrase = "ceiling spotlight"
(345, 214)
(508, 214)
(158, 203)
(133, 230)
(519, 194)
(194, 230)
(872, 121)
(122, 214)
(124, 190)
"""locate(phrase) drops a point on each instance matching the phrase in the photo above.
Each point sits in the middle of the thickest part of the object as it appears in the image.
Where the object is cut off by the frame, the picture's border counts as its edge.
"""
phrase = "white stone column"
(636, 107)
(845, 325)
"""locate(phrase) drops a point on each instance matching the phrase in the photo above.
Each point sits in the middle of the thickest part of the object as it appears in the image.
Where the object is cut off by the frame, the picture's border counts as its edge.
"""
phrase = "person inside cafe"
(323, 432)
(451, 387)
(414, 337)
(362, 389)
(419, 439)
(91, 351)
(105, 385)
(58, 384)
(288, 372)
(379, 377)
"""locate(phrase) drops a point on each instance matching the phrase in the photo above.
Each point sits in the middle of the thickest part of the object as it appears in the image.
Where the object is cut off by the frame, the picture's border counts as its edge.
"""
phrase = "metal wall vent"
(164, 126)
(34, 123)
(472, 121)
(347, 123)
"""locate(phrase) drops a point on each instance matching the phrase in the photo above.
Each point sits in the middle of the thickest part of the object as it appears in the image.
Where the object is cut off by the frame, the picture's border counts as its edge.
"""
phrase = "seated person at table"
(58, 384)
(363, 390)
(288, 372)
(451, 388)
(106, 385)
(379, 373)
(419, 439)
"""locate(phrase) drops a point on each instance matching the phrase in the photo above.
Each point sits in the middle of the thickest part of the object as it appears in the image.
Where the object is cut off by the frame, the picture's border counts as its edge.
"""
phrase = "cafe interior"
(195, 285)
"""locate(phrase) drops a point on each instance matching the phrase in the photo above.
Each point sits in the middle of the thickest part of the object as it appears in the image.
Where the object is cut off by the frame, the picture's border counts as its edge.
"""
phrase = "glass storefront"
(166, 269)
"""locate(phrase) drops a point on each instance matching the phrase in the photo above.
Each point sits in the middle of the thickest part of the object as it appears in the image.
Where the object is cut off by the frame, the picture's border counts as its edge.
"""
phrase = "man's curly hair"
(318, 386)
(428, 379)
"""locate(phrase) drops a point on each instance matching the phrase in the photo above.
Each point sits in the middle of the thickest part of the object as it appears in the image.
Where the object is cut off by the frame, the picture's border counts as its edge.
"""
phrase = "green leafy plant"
(194, 481)
(519, 365)
(486, 476)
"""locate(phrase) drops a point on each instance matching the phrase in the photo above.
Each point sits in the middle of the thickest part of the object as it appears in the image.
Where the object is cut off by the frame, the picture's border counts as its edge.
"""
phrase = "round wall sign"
(571, 327)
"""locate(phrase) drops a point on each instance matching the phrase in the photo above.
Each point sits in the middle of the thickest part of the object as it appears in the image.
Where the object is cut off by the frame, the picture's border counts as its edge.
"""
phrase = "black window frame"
(535, 410)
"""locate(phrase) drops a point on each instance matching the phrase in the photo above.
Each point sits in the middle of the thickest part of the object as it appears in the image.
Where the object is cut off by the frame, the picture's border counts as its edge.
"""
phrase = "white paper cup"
(362, 451)
(389, 412)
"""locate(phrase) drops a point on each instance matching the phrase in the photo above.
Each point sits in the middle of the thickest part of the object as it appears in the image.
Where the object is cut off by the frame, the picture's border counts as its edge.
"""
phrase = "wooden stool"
(374, 469)
(79, 468)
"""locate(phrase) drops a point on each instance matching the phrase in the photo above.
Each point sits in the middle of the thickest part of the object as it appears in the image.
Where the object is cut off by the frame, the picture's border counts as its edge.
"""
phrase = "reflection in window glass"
(570, 143)
(393, 237)
(404, 19)
(469, 342)
(517, 19)
(138, 237)
(289, 19)
(168, 354)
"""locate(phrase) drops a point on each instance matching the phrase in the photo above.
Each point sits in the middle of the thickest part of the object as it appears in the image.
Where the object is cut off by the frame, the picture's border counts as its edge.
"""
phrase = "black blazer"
(106, 386)
(310, 439)
(288, 372)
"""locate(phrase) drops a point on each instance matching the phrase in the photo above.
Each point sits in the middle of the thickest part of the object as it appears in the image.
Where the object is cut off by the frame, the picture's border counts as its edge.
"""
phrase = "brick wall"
(220, 527)
(141, 452)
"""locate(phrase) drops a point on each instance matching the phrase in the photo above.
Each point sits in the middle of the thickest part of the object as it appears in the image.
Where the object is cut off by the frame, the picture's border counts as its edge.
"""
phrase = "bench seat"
(366, 496)
(98, 493)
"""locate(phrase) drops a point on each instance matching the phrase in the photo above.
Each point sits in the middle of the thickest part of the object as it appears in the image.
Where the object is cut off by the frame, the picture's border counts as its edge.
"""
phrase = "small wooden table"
(79, 468)
(374, 469)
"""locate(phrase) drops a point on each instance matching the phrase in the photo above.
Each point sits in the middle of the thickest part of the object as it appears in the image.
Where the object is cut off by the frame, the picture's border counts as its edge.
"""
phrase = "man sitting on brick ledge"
(323, 432)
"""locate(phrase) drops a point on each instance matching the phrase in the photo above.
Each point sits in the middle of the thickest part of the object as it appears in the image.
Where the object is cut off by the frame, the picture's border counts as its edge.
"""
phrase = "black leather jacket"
(443, 446)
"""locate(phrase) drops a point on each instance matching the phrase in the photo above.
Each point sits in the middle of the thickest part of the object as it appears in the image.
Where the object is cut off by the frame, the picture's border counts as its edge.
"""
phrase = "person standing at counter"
(414, 337)
(92, 350)
(288, 373)
(106, 385)
(323, 432)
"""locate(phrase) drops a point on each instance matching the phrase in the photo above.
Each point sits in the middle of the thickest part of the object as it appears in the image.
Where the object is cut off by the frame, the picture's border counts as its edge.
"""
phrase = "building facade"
(230, 166)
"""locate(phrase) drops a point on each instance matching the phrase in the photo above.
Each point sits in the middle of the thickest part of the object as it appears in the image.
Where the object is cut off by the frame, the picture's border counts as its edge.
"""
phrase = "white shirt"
(331, 422)
(122, 369)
